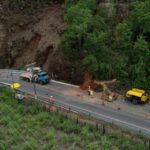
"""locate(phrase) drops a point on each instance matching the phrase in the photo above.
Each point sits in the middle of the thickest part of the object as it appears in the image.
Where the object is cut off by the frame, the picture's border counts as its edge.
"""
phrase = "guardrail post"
(57, 110)
(66, 116)
(103, 129)
(89, 116)
(139, 131)
(77, 121)
(96, 125)
(61, 119)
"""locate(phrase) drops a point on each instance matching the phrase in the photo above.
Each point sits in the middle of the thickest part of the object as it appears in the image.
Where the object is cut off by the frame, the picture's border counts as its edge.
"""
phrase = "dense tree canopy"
(121, 51)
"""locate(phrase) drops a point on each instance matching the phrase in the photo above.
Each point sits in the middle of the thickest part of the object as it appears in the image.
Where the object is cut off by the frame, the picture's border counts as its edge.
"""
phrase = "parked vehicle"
(35, 74)
(137, 96)
(42, 78)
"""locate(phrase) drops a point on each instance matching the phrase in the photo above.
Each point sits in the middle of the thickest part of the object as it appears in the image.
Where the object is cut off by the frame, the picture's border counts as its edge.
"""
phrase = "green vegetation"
(31, 127)
(109, 48)
(99, 42)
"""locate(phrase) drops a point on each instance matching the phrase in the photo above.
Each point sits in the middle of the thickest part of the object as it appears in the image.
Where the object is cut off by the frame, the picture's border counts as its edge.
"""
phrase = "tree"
(78, 19)
(140, 18)
(91, 62)
(140, 62)
(121, 51)
(123, 38)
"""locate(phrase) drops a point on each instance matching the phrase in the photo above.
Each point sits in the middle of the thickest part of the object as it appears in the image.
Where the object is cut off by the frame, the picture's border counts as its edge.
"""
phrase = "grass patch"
(25, 128)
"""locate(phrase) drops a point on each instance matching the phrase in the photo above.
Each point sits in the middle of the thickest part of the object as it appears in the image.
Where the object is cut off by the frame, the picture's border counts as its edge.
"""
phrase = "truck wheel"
(41, 82)
(28, 80)
(135, 101)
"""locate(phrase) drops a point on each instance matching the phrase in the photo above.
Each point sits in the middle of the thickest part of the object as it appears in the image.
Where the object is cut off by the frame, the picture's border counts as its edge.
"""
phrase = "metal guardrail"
(94, 115)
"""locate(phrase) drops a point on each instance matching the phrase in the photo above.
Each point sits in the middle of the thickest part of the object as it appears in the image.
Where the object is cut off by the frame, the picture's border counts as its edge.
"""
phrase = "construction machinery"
(107, 94)
(137, 96)
(99, 86)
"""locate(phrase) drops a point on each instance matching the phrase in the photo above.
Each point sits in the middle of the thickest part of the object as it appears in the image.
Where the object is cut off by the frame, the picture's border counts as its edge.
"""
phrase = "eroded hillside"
(28, 35)
(42, 31)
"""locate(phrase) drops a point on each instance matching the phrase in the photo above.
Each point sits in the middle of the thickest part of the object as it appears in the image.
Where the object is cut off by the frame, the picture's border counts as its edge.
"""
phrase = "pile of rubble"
(103, 87)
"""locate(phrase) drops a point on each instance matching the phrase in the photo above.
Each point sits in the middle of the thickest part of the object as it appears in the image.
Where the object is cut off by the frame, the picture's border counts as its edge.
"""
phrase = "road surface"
(118, 117)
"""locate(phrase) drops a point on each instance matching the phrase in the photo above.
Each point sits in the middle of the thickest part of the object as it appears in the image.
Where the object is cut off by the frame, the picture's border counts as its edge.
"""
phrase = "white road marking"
(64, 83)
(101, 115)
(17, 72)
(105, 116)
(5, 83)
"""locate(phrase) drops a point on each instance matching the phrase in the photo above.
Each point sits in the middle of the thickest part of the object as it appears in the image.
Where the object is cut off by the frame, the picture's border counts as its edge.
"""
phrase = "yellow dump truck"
(137, 96)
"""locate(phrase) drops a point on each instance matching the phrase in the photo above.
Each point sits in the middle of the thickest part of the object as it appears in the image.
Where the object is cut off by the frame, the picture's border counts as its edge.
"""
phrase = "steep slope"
(34, 36)
(107, 38)
(29, 35)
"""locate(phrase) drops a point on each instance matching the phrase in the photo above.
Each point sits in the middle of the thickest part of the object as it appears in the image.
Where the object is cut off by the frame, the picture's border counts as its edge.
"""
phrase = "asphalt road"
(117, 117)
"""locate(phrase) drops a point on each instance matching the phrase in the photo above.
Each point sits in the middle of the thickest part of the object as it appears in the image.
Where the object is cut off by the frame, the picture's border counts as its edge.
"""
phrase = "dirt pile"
(104, 88)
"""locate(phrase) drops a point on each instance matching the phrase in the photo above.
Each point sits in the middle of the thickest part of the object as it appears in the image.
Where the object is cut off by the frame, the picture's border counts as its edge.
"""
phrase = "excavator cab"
(137, 96)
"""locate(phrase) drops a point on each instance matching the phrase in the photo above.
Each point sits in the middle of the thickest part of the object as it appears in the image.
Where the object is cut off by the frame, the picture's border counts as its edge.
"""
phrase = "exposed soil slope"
(31, 36)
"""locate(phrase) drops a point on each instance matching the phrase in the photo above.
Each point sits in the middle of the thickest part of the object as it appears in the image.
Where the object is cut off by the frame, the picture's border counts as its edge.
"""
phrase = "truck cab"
(35, 74)
(42, 78)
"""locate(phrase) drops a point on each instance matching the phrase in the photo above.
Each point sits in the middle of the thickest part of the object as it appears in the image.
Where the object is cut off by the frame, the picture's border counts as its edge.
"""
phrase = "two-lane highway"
(118, 117)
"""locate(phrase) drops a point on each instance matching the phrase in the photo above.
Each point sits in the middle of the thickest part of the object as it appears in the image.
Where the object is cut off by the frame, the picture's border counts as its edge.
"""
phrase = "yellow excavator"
(107, 93)
(137, 96)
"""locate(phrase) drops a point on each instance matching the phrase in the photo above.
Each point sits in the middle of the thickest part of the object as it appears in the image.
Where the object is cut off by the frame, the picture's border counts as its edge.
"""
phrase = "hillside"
(108, 38)
(28, 35)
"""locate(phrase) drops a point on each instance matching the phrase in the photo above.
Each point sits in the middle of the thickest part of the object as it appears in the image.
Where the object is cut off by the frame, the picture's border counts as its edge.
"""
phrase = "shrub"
(126, 145)
(140, 147)
(42, 116)
(34, 109)
(85, 131)
(13, 131)
(5, 120)
(69, 126)
(74, 138)
(55, 121)
(3, 145)
(52, 144)
(50, 134)
(105, 142)
(21, 109)
(93, 146)
(29, 143)
(7, 94)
